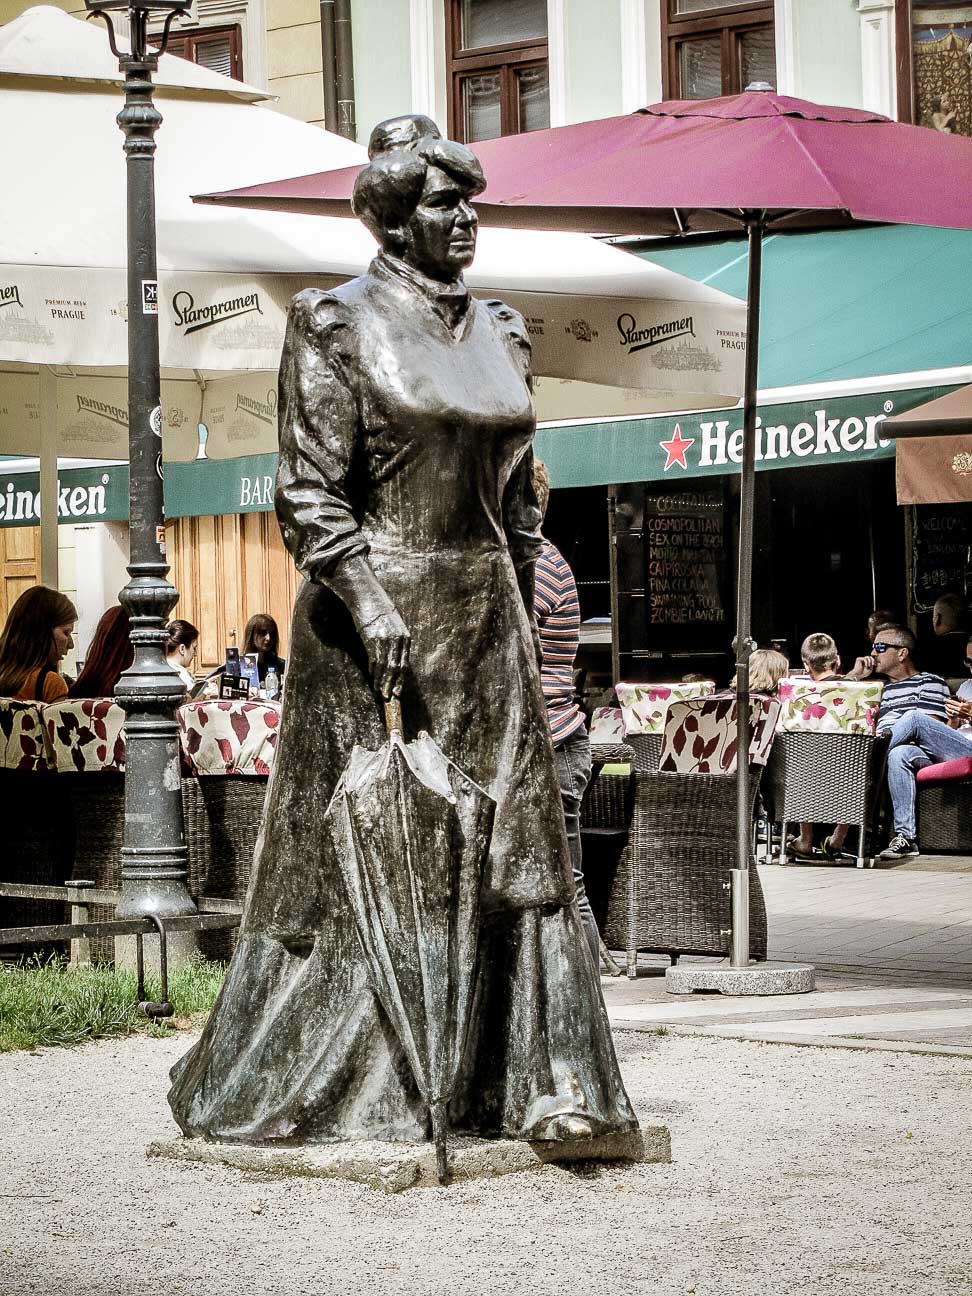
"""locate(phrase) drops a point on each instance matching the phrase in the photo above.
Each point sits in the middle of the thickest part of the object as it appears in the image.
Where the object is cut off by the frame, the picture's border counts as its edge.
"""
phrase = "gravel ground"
(795, 1170)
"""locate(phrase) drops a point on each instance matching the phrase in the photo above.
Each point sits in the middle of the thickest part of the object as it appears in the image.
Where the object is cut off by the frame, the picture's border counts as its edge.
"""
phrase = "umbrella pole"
(743, 643)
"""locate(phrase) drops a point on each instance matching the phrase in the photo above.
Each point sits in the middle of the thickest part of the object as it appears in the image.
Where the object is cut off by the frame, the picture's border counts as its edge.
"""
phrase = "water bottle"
(271, 684)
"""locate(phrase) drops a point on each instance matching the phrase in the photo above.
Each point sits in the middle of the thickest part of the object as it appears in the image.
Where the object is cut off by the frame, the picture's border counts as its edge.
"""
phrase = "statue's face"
(440, 236)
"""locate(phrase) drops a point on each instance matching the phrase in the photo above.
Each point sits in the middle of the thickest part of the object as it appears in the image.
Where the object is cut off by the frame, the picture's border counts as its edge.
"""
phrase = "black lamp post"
(154, 855)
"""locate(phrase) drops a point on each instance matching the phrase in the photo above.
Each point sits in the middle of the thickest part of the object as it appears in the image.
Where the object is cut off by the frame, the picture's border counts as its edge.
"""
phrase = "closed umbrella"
(411, 834)
(750, 162)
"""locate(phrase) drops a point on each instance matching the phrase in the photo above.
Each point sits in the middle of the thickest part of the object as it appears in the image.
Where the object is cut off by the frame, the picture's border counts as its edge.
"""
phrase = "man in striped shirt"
(913, 715)
(557, 614)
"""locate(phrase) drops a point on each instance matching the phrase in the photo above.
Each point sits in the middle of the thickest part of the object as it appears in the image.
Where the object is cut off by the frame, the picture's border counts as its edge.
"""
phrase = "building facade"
(487, 67)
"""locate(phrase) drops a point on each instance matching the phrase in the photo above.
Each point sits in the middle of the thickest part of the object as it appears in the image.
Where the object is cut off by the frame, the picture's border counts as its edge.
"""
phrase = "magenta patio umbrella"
(752, 162)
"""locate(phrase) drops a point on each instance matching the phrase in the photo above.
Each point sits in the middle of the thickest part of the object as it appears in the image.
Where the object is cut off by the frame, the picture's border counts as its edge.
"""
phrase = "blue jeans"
(573, 758)
(917, 740)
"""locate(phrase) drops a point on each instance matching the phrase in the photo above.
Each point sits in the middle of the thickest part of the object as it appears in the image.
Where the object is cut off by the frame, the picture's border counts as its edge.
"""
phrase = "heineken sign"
(83, 495)
(844, 429)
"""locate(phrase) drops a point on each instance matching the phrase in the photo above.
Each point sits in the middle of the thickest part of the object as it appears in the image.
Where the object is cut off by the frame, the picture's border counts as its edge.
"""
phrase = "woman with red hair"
(109, 655)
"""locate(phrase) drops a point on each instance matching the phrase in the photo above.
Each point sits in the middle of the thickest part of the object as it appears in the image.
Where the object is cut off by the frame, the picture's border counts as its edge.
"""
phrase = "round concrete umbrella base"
(756, 979)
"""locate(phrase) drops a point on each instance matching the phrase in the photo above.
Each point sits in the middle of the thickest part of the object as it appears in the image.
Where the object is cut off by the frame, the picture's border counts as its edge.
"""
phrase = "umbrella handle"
(437, 1110)
(393, 717)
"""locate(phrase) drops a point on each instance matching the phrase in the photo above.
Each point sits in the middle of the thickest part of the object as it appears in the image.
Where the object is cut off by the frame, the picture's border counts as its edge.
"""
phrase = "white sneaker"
(899, 847)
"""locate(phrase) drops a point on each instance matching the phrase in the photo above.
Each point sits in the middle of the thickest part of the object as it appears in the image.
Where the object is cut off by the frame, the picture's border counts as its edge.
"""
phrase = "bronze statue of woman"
(404, 493)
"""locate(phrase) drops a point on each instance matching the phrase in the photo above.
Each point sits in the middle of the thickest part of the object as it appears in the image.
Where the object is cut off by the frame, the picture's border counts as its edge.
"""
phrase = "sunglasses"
(968, 661)
(879, 647)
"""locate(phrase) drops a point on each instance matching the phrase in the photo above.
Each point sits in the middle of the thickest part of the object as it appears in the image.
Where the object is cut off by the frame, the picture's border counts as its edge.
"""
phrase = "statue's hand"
(387, 642)
(383, 632)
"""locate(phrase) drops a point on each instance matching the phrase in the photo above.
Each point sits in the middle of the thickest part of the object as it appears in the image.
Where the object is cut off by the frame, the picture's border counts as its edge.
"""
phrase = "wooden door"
(19, 564)
(226, 568)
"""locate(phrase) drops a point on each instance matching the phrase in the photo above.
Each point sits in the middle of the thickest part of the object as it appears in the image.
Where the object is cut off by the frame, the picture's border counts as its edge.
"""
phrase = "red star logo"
(675, 449)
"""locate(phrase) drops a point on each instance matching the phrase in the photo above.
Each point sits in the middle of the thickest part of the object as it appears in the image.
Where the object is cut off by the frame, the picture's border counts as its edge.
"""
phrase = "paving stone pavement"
(893, 953)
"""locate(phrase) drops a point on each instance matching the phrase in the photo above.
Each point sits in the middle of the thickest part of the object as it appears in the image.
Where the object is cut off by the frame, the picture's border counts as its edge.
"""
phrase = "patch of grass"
(55, 1005)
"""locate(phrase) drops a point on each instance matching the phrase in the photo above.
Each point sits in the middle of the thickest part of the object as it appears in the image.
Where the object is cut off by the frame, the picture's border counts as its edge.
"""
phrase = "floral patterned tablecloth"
(830, 706)
(607, 725)
(23, 741)
(644, 706)
(223, 737)
(83, 735)
(700, 735)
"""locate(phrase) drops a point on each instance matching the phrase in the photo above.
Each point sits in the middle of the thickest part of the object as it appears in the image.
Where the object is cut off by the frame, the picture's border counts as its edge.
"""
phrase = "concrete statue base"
(393, 1167)
(757, 979)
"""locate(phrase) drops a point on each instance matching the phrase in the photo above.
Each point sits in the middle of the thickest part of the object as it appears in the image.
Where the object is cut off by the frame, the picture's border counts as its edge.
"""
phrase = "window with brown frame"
(934, 61)
(498, 67)
(218, 48)
(716, 47)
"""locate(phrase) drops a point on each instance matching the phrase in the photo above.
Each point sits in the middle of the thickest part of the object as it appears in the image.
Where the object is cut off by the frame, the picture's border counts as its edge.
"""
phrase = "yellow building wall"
(12, 8)
(294, 60)
(293, 35)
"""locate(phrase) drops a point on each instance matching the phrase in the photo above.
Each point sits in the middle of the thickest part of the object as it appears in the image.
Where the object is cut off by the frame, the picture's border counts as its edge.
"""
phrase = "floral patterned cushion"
(607, 725)
(227, 737)
(85, 734)
(700, 735)
(23, 739)
(644, 706)
(830, 706)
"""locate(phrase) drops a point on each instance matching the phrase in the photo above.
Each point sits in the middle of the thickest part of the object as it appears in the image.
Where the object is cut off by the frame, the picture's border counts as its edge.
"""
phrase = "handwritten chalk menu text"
(942, 536)
(685, 552)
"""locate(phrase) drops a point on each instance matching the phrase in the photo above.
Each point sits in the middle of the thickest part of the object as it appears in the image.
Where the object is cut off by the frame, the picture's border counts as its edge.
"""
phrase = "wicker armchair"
(38, 849)
(38, 835)
(945, 807)
(826, 778)
(605, 819)
(230, 747)
(670, 893)
(826, 763)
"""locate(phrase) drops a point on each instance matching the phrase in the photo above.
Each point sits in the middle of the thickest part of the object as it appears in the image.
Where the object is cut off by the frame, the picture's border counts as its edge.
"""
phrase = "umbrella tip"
(758, 85)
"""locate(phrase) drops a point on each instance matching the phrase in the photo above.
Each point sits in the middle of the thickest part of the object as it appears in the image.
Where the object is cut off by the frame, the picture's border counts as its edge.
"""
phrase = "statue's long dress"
(406, 426)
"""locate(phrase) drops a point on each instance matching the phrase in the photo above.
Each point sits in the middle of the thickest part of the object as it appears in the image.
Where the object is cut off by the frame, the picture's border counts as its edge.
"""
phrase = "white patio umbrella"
(599, 318)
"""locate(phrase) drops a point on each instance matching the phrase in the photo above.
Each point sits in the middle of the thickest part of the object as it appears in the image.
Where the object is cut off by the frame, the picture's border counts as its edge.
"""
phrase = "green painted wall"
(382, 62)
(593, 59)
(827, 41)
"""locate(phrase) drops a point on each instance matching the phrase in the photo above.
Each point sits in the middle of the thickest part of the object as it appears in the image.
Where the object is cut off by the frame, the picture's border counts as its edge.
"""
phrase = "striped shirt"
(558, 620)
(920, 692)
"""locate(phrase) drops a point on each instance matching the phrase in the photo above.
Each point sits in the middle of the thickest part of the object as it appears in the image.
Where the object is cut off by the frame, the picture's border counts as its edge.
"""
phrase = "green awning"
(847, 303)
(838, 306)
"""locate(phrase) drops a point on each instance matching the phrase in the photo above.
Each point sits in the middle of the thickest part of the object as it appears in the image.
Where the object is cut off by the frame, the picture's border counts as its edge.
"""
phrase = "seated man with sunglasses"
(923, 723)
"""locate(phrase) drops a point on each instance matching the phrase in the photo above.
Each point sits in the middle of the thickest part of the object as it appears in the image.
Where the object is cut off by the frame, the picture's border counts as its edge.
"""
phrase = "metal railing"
(214, 915)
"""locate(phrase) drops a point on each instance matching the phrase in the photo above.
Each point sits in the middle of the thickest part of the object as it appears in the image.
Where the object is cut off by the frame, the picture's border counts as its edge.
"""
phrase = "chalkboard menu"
(941, 536)
(685, 557)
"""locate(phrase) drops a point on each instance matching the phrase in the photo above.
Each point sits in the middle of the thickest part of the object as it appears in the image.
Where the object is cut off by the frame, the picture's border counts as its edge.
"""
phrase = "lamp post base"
(756, 979)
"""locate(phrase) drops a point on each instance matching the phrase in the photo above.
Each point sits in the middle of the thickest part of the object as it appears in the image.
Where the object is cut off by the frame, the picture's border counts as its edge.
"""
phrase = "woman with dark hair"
(181, 639)
(109, 655)
(262, 637)
(38, 635)
(404, 492)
